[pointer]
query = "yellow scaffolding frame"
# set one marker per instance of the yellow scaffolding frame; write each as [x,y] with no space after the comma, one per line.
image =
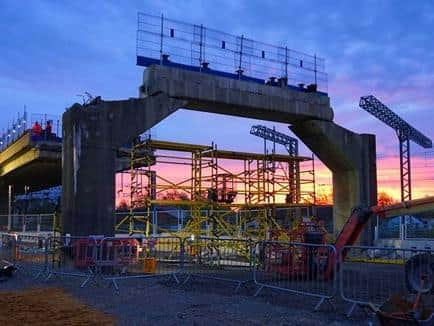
[263,180]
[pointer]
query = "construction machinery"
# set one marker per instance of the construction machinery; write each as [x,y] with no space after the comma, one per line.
[313,260]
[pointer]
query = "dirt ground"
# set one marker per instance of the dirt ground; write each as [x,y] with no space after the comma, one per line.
[43,306]
[158,301]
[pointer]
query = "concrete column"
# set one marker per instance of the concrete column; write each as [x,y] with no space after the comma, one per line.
[352,159]
[92,135]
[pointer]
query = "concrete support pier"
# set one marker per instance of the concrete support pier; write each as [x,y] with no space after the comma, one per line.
[351,158]
[92,135]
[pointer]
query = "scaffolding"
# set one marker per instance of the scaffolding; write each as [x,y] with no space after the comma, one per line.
[212,184]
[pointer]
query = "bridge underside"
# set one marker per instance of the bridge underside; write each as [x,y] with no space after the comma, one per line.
[29,163]
[93,133]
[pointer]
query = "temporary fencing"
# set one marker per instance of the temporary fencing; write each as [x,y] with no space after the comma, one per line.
[25,252]
[72,257]
[8,247]
[219,259]
[371,275]
[37,223]
[144,257]
[367,275]
[31,254]
[300,268]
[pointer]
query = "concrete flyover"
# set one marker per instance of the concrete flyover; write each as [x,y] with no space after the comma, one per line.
[32,162]
[37,163]
[93,133]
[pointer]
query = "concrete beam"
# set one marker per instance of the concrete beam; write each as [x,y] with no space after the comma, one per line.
[352,159]
[211,93]
[92,135]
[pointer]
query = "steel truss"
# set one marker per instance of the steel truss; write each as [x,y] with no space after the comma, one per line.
[405,133]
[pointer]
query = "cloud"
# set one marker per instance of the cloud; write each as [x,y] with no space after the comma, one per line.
[53,50]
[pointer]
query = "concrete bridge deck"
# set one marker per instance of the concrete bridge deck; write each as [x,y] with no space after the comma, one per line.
[32,161]
[94,132]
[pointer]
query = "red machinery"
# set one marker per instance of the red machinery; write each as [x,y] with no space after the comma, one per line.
[295,259]
[310,261]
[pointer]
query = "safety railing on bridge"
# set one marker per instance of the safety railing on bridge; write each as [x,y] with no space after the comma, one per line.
[14,130]
[53,121]
[50,129]
[195,47]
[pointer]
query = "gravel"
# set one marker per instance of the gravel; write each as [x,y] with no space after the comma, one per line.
[159,301]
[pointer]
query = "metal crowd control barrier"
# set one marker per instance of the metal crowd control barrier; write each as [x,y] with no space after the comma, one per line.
[142,257]
[300,268]
[371,275]
[73,257]
[31,254]
[26,252]
[219,259]
[8,247]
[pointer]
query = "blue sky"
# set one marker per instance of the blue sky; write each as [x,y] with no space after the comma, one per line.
[53,50]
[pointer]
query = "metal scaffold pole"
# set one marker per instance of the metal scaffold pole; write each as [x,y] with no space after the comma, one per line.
[210,190]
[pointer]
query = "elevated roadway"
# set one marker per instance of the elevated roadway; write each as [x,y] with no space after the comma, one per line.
[30,161]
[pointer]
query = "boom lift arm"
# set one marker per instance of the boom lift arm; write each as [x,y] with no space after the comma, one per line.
[361,215]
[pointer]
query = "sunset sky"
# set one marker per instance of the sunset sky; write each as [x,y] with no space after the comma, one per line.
[51,51]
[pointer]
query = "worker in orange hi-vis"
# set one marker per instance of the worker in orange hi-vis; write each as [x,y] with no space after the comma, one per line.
[48,129]
[36,129]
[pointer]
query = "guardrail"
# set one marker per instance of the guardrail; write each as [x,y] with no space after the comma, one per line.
[155,257]
[371,275]
[228,260]
[300,268]
[357,275]
[22,126]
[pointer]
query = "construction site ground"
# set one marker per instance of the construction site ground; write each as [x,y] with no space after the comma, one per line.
[161,302]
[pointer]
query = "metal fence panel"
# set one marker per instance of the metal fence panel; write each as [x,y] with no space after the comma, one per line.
[32,254]
[373,274]
[219,259]
[143,258]
[72,257]
[28,222]
[8,247]
[306,269]
[28,253]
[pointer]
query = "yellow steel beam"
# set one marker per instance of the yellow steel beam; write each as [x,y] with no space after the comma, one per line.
[232,155]
[173,146]
[222,154]
[21,144]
